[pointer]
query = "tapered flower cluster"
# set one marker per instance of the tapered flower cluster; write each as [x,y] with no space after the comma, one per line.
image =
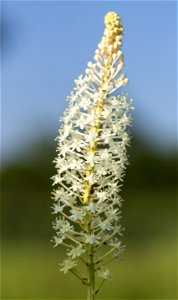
[91,160]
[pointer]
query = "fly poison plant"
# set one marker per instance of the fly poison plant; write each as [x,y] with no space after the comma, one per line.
[91,160]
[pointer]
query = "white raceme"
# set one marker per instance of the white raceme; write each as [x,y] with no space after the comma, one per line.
[91,160]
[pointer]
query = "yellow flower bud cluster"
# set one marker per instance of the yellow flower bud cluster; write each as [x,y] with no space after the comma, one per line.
[113,33]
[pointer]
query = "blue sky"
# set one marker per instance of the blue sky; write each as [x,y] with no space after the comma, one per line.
[47,44]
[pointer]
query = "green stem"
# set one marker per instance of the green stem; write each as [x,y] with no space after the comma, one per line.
[91,275]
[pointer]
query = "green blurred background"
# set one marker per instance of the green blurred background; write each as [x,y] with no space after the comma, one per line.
[38,68]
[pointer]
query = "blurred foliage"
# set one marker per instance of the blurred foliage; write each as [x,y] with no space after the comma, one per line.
[149,214]
[31,271]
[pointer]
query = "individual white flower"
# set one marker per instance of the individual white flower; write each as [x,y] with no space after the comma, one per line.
[106,225]
[58,223]
[65,197]
[105,154]
[77,215]
[64,148]
[76,185]
[92,239]
[57,208]
[113,186]
[115,243]
[92,207]
[111,213]
[67,264]
[85,102]
[77,145]
[104,273]
[102,196]
[56,194]
[75,164]
[57,179]
[58,240]
[65,226]
[76,251]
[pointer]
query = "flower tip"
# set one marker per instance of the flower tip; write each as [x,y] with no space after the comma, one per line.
[112,19]
[114,30]
[110,16]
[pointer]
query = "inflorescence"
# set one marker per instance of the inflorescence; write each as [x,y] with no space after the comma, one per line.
[91,160]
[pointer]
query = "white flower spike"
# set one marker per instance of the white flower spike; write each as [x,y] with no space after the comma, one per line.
[91,162]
